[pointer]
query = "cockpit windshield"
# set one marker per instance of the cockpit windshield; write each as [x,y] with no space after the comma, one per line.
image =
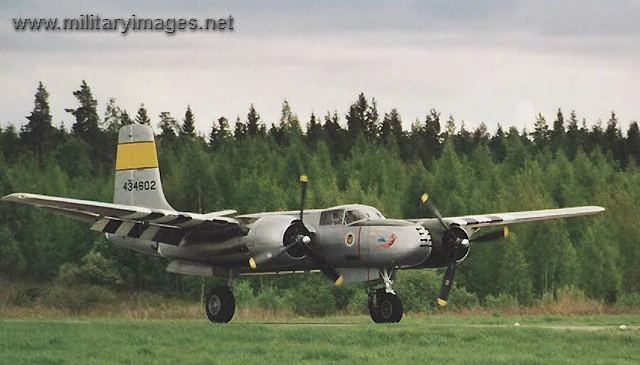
[354,216]
[360,214]
[348,216]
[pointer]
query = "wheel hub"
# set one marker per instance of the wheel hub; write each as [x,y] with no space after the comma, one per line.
[386,309]
[214,305]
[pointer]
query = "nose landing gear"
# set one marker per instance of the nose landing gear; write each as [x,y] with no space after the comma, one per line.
[384,305]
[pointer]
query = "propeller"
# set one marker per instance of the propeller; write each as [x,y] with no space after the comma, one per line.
[454,243]
[302,240]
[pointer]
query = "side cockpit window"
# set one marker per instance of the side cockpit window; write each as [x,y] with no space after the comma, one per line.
[331,217]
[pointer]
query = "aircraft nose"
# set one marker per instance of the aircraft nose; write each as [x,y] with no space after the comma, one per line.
[420,247]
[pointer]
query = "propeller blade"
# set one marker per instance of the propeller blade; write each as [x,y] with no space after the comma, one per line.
[330,272]
[425,200]
[447,283]
[265,256]
[492,236]
[325,267]
[303,193]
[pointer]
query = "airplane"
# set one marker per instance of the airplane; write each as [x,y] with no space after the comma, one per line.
[350,243]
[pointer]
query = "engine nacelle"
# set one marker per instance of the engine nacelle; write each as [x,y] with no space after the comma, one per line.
[274,231]
[442,247]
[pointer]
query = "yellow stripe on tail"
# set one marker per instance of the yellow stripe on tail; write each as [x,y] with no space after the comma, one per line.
[136,155]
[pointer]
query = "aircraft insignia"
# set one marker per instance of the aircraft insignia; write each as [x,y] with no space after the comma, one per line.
[348,240]
[388,241]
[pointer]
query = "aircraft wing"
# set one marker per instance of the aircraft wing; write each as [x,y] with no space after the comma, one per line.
[160,225]
[485,220]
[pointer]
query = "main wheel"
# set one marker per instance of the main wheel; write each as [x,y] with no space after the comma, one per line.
[220,304]
[374,310]
[388,308]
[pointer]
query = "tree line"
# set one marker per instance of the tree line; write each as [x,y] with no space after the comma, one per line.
[362,156]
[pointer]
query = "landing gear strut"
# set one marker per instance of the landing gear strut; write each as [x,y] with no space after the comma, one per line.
[220,304]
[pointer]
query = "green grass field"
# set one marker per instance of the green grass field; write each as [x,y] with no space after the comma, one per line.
[346,340]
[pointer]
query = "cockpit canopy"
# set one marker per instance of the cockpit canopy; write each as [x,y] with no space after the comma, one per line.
[348,215]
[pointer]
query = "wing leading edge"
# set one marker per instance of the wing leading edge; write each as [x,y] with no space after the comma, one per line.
[485,220]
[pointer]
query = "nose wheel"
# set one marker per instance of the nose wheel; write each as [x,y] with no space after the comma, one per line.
[220,304]
[385,307]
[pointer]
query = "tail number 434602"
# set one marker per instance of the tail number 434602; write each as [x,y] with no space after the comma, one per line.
[142,185]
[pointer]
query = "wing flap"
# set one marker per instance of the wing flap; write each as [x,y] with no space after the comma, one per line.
[141,230]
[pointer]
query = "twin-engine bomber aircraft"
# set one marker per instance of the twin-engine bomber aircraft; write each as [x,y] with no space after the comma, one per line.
[349,243]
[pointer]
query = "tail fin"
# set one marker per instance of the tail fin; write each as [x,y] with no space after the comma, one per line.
[137,180]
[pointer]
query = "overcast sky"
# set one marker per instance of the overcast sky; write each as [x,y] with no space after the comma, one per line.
[495,61]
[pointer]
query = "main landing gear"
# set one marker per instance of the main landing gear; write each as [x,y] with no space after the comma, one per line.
[384,305]
[220,304]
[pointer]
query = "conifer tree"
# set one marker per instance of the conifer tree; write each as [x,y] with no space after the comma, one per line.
[38,134]
[426,138]
[168,125]
[219,132]
[86,115]
[498,144]
[371,122]
[541,131]
[336,136]
[614,141]
[480,135]
[188,123]
[142,117]
[574,138]
[557,135]
[255,127]
[314,131]
[633,142]
[125,118]
[112,117]
[356,117]
[239,130]
[391,128]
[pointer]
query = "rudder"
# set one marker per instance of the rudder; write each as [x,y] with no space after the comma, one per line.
[137,180]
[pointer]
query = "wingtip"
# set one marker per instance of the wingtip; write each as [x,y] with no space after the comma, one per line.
[13,197]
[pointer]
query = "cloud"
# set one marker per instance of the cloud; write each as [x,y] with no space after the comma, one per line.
[482,61]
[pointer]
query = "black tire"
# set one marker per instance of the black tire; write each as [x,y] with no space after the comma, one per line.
[374,311]
[389,307]
[220,304]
